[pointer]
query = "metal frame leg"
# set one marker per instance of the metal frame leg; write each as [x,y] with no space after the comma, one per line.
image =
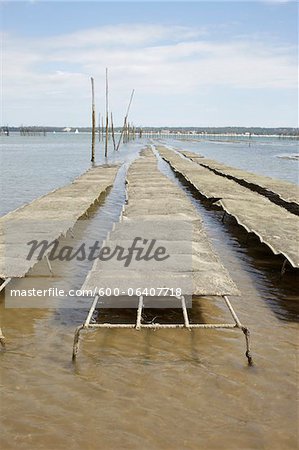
[76,341]
[49,265]
[84,326]
[244,329]
[5,283]
[185,313]
[2,339]
[247,339]
[139,313]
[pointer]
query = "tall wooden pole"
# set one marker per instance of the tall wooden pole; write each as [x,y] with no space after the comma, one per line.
[102,128]
[112,132]
[124,132]
[107,120]
[125,120]
[93,120]
[99,127]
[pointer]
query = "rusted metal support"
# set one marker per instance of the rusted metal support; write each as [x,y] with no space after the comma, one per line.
[2,339]
[244,329]
[76,341]
[156,326]
[84,326]
[247,339]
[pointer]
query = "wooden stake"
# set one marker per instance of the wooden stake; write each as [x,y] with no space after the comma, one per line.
[107,121]
[124,131]
[102,128]
[93,120]
[112,131]
[125,120]
[99,127]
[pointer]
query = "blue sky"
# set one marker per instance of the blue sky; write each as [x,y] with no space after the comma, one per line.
[191,63]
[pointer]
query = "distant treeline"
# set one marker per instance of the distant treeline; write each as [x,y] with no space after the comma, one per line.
[194,130]
[228,130]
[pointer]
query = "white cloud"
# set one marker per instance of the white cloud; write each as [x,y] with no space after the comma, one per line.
[154,59]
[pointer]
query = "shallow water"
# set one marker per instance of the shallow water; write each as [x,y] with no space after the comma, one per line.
[168,389]
[35,165]
[257,155]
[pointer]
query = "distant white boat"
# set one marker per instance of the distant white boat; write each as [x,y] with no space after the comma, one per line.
[76,131]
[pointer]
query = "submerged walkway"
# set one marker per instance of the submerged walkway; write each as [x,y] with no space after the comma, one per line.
[47,218]
[284,193]
[273,225]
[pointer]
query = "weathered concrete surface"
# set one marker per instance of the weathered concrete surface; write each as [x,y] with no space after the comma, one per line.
[287,192]
[47,218]
[272,224]
[160,210]
[206,182]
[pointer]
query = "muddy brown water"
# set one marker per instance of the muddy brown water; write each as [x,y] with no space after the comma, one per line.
[166,389]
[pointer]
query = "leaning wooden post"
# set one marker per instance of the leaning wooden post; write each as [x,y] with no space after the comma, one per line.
[112,132]
[121,134]
[93,120]
[126,135]
[125,120]
[107,121]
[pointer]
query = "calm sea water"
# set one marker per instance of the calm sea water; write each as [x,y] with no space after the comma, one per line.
[34,165]
[163,390]
[265,156]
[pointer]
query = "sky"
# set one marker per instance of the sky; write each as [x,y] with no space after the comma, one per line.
[191,63]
